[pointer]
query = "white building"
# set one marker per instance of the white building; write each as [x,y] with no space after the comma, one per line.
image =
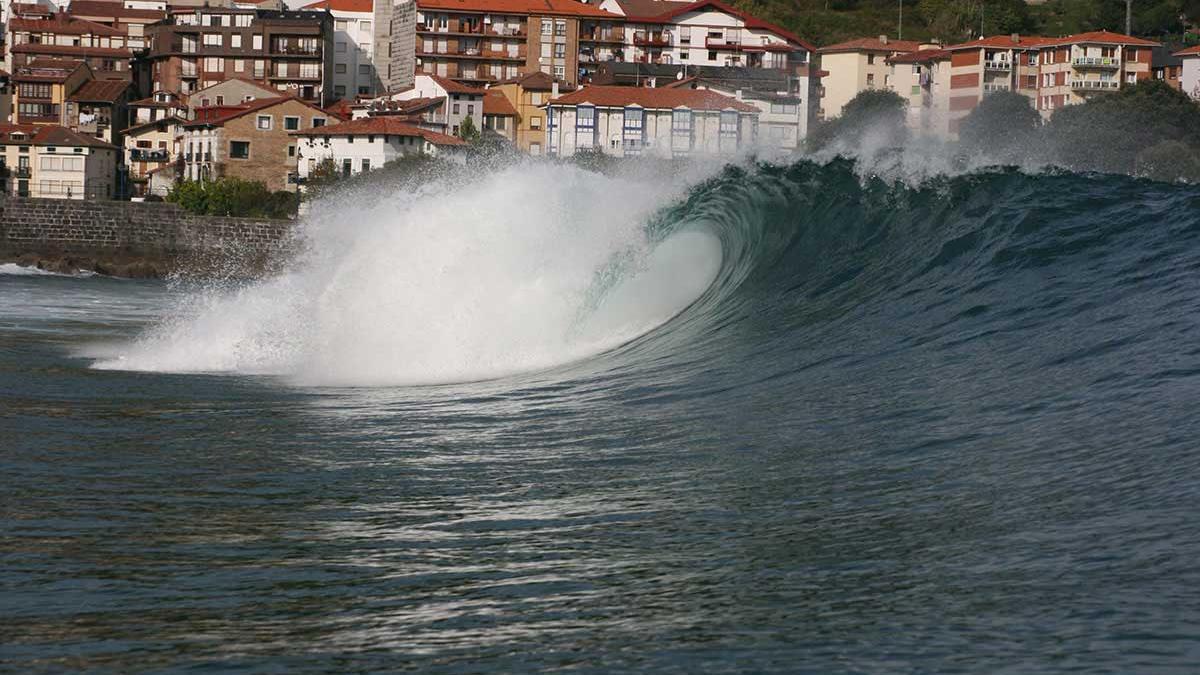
[354,70]
[1190,79]
[444,103]
[365,144]
[704,33]
[54,162]
[663,122]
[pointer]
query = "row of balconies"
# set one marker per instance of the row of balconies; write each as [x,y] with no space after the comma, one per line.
[143,155]
[473,53]
[1096,62]
[465,29]
[1093,85]
[599,35]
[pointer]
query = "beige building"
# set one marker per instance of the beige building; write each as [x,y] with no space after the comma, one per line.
[855,66]
[1073,68]
[251,141]
[234,91]
[923,79]
[528,94]
[53,162]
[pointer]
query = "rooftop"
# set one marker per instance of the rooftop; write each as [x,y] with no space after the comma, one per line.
[63,24]
[343,5]
[541,7]
[872,44]
[37,134]
[100,91]
[218,115]
[381,126]
[70,50]
[655,98]
[496,103]
[538,81]
[1190,51]
[671,10]
[110,9]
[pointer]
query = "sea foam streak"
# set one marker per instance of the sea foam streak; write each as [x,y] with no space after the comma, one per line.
[451,283]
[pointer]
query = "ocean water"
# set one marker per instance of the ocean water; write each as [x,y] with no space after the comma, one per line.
[755,419]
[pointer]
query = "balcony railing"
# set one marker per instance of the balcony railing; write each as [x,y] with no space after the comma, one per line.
[602,36]
[23,172]
[997,65]
[294,50]
[1096,62]
[651,40]
[1095,84]
[989,86]
[140,155]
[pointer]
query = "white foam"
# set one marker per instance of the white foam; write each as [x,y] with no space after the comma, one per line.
[453,283]
[13,269]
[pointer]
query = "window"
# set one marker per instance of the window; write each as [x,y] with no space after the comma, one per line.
[560,50]
[712,56]
[683,56]
[214,64]
[470,110]
[729,122]
[340,48]
[239,65]
[366,165]
[546,46]
[456,109]
[235,40]
[364,70]
[213,39]
[310,70]
[560,27]
[871,80]
[870,59]
[535,98]
[291,123]
[340,24]
[292,150]
[220,100]
[318,122]
[535,149]
[535,123]
[560,72]
[547,26]
[347,166]
[260,69]
[256,41]
[681,122]
[585,117]
[264,122]
[364,91]
[339,90]
[634,118]
[783,108]
[242,20]
[239,149]
[339,68]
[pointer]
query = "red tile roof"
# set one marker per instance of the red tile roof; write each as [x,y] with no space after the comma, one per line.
[453,87]
[538,81]
[39,134]
[539,7]
[410,106]
[380,126]
[343,5]
[872,44]
[218,115]
[71,50]
[100,91]
[675,9]
[1190,51]
[496,103]
[1102,37]
[340,109]
[921,56]
[1004,42]
[656,98]
[64,25]
[107,9]
[47,70]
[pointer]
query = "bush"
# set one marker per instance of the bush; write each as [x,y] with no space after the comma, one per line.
[1003,127]
[874,115]
[233,197]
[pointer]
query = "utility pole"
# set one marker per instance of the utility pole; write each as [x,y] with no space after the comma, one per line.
[1129,17]
[900,23]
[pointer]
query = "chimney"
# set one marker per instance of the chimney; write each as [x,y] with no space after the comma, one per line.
[883,39]
[1016,38]
[738,94]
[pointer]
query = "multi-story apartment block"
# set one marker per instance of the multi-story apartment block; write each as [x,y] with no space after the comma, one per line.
[194,49]
[117,15]
[529,94]
[56,163]
[855,66]
[395,43]
[1189,78]
[106,50]
[702,33]
[41,88]
[354,69]
[365,144]
[483,41]
[923,79]
[663,122]
[251,141]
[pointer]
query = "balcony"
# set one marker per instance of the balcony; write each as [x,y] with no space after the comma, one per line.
[989,87]
[1095,85]
[1003,66]
[723,43]
[483,55]
[505,32]
[23,172]
[295,50]
[614,36]
[652,40]
[1106,62]
[310,77]
[141,155]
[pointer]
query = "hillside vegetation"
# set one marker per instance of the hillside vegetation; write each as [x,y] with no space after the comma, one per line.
[829,21]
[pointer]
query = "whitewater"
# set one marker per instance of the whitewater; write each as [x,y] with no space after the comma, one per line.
[817,415]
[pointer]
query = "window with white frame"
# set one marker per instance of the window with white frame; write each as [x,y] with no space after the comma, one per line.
[235,41]
[264,122]
[213,39]
[634,119]
[547,26]
[681,122]
[729,123]
[585,117]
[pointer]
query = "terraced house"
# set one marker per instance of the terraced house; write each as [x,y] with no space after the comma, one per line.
[485,41]
[105,49]
[196,48]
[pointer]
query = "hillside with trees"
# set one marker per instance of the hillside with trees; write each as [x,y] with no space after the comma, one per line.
[828,21]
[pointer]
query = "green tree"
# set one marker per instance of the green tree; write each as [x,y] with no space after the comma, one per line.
[467,130]
[1003,127]
[233,197]
[874,115]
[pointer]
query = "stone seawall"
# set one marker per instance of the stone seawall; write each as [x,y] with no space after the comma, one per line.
[142,239]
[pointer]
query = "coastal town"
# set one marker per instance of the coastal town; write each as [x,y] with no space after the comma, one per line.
[125,99]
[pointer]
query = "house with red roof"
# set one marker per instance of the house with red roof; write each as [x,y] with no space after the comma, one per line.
[368,143]
[704,33]
[658,121]
[251,140]
[1190,78]
[53,162]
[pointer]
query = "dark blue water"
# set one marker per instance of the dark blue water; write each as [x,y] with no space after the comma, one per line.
[946,427]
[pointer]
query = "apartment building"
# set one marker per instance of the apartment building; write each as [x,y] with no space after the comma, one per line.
[395,43]
[923,79]
[362,145]
[702,33]
[986,65]
[105,49]
[196,48]
[251,141]
[854,66]
[354,70]
[1189,78]
[41,87]
[132,20]
[54,162]
[100,108]
[636,121]
[499,116]
[1076,67]
[151,141]
[528,94]
[484,41]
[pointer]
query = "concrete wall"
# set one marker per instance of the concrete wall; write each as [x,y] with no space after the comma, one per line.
[134,238]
